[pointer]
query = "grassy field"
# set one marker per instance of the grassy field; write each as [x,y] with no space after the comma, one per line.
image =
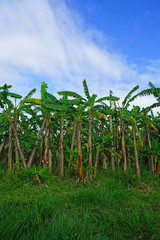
[114,206]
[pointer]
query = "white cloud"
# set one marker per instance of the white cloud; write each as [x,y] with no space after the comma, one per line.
[42,39]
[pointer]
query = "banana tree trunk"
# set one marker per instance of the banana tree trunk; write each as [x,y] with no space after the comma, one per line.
[158,167]
[117,147]
[96,162]
[123,148]
[128,153]
[104,161]
[136,154]
[61,148]
[112,152]
[18,145]
[97,155]
[80,174]
[72,145]
[50,160]
[6,146]
[90,143]
[16,154]
[2,145]
[150,157]
[36,143]
[45,162]
[10,148]
[73,135]
[41,151]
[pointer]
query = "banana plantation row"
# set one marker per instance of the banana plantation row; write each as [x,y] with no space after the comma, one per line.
[75,135]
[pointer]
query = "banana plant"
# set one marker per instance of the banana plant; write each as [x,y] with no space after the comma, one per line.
[38,174]
[132,118]
[100,147]
[92,109]
[108,110]
[46,117]
[63,107]
[154,151]
[3,129]
[125,104]
[112,105]
[84,108]
[87,126]
[78,112]
[149,124]
[19,110]
[8,107]
[150,91]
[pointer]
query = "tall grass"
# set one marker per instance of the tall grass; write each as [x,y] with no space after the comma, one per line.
[114,208]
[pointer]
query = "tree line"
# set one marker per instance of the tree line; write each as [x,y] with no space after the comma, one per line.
[76,135]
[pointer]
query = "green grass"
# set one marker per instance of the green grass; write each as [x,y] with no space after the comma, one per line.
[116,207]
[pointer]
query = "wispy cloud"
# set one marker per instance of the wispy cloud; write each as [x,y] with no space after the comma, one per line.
[44,40]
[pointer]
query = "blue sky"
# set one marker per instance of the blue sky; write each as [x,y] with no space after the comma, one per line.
[131,26]
[113,44]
